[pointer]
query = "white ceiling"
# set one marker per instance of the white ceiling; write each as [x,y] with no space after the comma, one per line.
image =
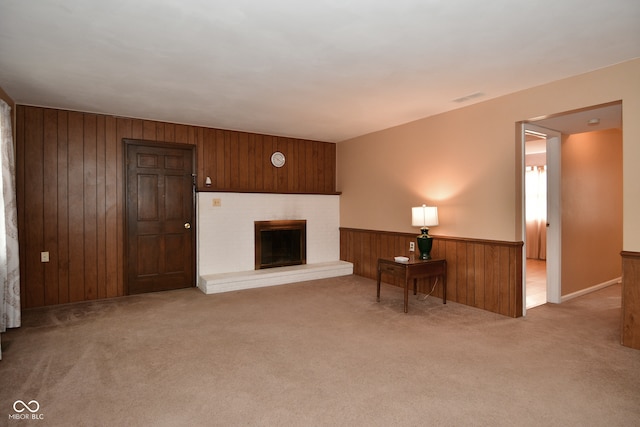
[608,117]
[318,69]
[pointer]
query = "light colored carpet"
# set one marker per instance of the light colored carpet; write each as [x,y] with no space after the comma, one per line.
[320,353]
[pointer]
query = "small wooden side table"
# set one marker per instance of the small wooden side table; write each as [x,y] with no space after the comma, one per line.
[413,269]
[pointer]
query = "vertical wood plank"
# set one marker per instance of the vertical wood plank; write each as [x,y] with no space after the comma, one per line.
[452,271]
[479,276]
[220,163]
[398,245]
[199,165]
[149,131]
[630,334]
[50,217]
[76,207]
[252,161]
[137,129]
[182,134]
[34,229]
[124,129]
[62,181]
[160,136]
[329,168]
[320,165]
[309,169]
[101,207]
[207,158]
[358,245]
[376,248]
[491,268]
[471,274]
[386,246]
[504,281]
[228,161]
[169,132]
[294,174]
[195,135]
[299,158]
[281,173]
[270,177]
[312,159]
[259,162]
[366,254]
[90,236]
[460,263]
[517,285]
[111,212]
[243,161]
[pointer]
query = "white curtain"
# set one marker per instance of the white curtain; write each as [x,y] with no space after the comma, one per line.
[536,211]
[9,262]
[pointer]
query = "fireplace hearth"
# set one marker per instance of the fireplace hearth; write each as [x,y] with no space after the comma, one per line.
[280,243]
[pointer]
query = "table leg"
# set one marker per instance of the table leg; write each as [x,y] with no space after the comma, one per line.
[415,286]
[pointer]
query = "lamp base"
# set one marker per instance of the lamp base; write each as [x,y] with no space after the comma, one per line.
[425,243]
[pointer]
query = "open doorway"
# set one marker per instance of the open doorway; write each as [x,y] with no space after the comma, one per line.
[542,215]
[535,182]
[589,141]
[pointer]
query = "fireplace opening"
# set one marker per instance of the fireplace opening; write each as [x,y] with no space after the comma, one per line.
[280,243]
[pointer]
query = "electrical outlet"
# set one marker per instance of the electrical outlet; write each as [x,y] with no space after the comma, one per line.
[216,203]
[412,246]
[44,256]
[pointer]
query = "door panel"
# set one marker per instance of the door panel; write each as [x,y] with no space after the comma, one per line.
[160,244]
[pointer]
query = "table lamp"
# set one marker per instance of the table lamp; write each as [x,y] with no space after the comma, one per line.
[424,216]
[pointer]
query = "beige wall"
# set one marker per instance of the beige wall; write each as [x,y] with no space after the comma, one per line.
[591,209]
[464,161]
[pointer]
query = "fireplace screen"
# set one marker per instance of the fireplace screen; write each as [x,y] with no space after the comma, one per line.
[280,243]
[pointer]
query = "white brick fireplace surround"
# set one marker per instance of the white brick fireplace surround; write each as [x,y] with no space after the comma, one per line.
[225,239]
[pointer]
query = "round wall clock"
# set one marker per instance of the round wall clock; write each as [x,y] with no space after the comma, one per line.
[277,159]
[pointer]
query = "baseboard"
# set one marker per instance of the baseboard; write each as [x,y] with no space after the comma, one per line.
[590,289]
[226,282]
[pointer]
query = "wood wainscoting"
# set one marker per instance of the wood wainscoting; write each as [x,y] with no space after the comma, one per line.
[631,299]
[485,274]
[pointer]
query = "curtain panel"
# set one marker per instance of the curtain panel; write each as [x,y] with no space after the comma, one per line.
[9,255]
[536,211]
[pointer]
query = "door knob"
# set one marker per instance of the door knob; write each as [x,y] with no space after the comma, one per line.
[187,225]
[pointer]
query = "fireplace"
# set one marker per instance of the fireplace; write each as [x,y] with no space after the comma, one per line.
[280,243]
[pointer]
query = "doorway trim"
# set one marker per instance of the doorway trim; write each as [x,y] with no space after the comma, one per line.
[554,212]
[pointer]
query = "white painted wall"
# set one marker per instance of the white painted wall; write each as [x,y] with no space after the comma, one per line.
[225,238]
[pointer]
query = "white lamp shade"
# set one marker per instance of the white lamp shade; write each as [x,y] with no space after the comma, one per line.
[424,216]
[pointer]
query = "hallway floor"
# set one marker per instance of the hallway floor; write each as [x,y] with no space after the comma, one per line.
[536,282]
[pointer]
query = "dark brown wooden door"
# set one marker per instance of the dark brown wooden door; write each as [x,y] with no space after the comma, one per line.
[159,216]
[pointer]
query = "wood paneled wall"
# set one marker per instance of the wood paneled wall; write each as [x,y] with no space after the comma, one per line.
[631,299]
[480,273]
[70,191]
[238,161]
